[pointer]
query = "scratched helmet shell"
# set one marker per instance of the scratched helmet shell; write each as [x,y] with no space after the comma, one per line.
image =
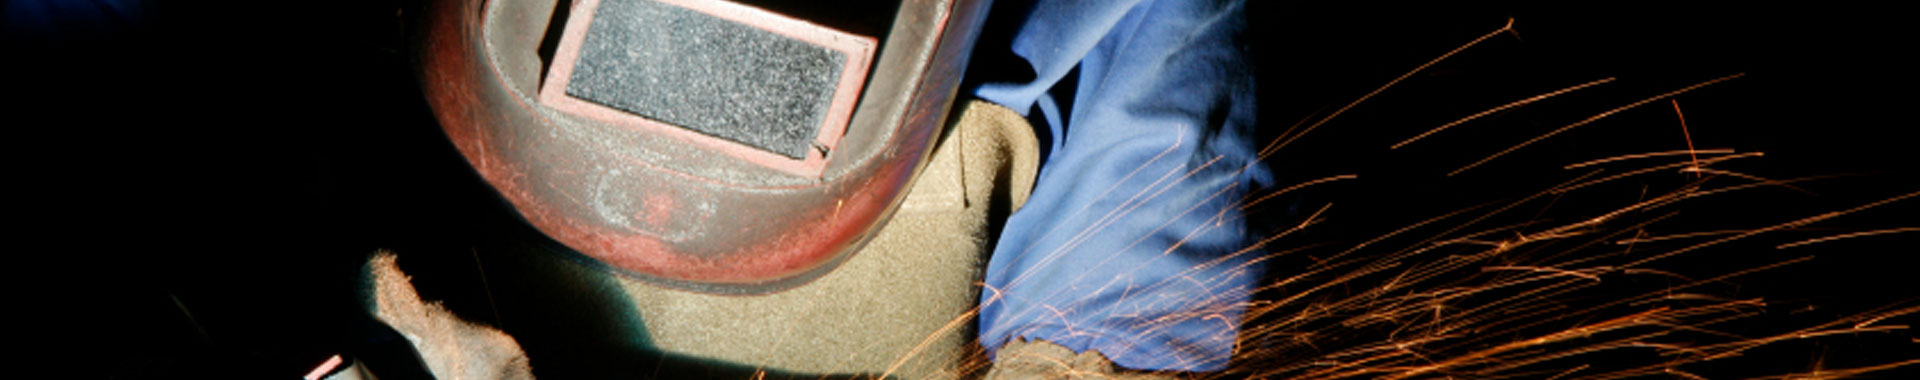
[726,178]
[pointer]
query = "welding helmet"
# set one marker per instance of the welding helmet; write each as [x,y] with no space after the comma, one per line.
[714,146]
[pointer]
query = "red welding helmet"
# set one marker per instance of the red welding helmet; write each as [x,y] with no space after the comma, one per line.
[708,145]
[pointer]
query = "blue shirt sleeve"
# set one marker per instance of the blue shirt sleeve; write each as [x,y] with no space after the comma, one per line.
[1132,242]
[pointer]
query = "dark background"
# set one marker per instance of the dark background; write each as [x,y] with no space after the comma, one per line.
[1824,94]
[207,177]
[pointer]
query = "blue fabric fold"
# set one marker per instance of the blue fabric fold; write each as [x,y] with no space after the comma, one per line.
[1132,242]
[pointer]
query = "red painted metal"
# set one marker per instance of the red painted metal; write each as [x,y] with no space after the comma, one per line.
[682,215]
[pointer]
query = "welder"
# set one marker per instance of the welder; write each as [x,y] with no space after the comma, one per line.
[772,186]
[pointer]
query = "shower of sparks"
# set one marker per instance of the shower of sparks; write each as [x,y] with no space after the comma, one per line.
[1533,299]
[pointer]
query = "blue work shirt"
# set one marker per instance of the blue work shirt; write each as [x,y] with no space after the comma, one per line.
[1132,242]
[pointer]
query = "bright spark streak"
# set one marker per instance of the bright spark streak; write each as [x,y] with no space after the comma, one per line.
[1544,270]
[1597,117]
[1878,318]
[1517,103]
[1289,137]
[1615,177]
[1841,373]
[950,327]
[1795,223]
[1689,152]
[1845,236]
[1679,236]
[1684,133]
[1264,198]
[1696,168]
[1568,372]
[1103,194]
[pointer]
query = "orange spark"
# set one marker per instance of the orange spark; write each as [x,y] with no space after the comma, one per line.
[1795,223]
[1843,373]
[1544,270]
[1848,235]
[1685,133]
[1288,137]
[1696,169]
[1690,152]
[1597,117]
[1517,103]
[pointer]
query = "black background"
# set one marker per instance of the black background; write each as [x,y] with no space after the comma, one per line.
[1824,93]
[243,159]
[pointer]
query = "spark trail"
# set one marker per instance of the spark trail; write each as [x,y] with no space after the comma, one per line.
[1451,297]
